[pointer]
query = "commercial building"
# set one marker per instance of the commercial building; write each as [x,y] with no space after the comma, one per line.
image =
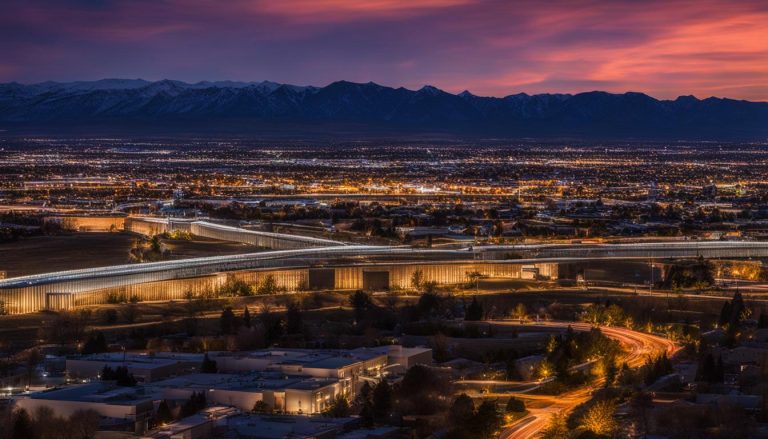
[281,393]
[145,368]
[125,408]
[301,381]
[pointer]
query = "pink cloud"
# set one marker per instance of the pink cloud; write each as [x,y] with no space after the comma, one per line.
[492,47]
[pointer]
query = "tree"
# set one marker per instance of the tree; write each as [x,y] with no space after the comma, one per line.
[33,357]
[236,287]
[515,405]
[227,321]
[339,408]
[614,315]
[107,374]
[361,302]
[261,407]
[123,377]
[46,423]
[208,366]
[599,419]
[610,369]
[21,425]
[109,316]
[474,311]
[417,279]
[155,244]
[366,416]
[462,411]
[194,404]
[129,313]
[294,323]
[487,419]
[423,391]
[268,286]
[557,427]
[95,344]
[83,424]
[246,318]
[382,400]
[520,312]
[474,278]
[163,415]
[428,304]
[642,404]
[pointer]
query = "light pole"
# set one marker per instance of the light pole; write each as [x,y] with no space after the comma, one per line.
[650,284]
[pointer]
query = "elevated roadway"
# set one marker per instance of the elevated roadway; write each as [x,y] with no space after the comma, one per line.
[447,266]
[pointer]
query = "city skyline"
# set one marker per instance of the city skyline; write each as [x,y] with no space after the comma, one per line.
[503,47]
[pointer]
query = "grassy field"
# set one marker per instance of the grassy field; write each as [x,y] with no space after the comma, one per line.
[41,254]
[200,247]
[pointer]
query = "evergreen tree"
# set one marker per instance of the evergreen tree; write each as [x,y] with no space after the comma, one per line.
[361,302]
[719,373]
[382,400]
[366,416]
[339,408]
[428,304]
[95,344]
[246,318]
[163,414]
[487,420]
[474,311]
[227,321]
[22,425]
[515,405]
[725,314]
[123,377]
[462,411]
[107,374]
[294,323]
[707,370]
[208,366]
[737,308]
[261,407]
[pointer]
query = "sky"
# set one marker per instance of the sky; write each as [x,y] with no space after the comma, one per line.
[665,48]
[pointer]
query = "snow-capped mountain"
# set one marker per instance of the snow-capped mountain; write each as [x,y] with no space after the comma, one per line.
[256,107]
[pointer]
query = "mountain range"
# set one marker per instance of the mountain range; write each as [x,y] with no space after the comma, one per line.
[352,109]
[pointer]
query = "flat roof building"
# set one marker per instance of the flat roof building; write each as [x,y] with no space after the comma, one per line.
[126,408]
[281,393]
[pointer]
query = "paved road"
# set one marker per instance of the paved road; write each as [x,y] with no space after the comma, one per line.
[639,347]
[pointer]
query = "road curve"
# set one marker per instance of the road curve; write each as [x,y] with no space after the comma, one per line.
[639,346]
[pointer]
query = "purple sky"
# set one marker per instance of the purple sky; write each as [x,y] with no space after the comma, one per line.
[496,47]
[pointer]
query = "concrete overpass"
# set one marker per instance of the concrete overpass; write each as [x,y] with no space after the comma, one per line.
[335,266]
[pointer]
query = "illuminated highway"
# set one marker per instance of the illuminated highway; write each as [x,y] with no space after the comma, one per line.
[300,255]
[293,257]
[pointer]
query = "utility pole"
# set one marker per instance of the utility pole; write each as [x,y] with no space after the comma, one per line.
[650,284]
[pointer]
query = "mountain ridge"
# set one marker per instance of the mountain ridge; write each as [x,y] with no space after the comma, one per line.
[365,108]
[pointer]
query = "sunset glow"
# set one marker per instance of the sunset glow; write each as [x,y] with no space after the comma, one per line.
[489,47]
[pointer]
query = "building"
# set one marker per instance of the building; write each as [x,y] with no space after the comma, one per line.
[201,425]
[123,408]
[287,380]
[145,368]
[401,358]
[281,393]
[294,427]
